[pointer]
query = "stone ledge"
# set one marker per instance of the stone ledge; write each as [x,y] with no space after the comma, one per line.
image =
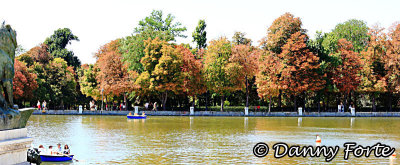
[13,134]
[13,145]
[14,151]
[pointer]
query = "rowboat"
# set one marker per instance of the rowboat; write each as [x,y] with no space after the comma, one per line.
[56,158]
[136,116]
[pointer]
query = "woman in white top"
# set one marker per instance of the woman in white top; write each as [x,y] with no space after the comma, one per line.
[41,149]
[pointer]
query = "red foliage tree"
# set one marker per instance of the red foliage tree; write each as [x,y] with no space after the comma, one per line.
[300,67]
[193,82]
[346,75]
[24,82]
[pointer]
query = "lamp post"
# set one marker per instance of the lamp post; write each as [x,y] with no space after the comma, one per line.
[102,100]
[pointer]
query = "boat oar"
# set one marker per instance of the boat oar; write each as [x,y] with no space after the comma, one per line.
[71,157]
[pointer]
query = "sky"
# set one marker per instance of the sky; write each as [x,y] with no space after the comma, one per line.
[99,22]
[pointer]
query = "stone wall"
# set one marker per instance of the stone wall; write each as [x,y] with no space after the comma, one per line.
[218,113]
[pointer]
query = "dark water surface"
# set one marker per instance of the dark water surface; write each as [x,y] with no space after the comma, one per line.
[211,140]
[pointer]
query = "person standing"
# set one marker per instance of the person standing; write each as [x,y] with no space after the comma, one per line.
[341,107]
[38,105]
[155,106]
[44,105]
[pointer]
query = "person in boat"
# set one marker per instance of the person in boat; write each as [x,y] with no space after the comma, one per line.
[59,149]
[41,149]
[50,150]
[66,150]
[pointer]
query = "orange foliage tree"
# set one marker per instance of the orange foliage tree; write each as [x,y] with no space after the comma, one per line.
[193,82]
[346,75]
[278,35]
[392,60]
[247,57]
[373,73]
[267,77]
[299,67]
[113,75]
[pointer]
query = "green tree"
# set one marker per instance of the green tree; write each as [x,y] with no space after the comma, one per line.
[156,22]
[240,39]
[88,83]
[222,76]
[153,26]
[355,31]
[57,44]
[200,35]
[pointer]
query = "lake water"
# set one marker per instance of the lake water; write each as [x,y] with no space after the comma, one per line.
[211,140]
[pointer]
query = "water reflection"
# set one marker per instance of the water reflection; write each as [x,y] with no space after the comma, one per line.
[299,121]
[212,140]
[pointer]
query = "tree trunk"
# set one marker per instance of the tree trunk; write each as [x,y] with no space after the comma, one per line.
[319,103]
[390,102]
[247,93]
[295,103]
[345,102]
[269,104]
[125,101]
[222,103]
[194,99]
[280,100]
[206,100]
[304,101]
[373,103]
[164,100]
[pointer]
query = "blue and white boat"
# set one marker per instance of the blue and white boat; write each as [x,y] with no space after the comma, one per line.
[56,158]
[136,116]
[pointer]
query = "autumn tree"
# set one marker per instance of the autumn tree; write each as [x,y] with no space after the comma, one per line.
[373,73]
[267,77]
[300,67]
[246,57]
[200,35]
[193,83]
[222,76]
[280,31]
[162,72]
[278,35]
[113,75]
[392,60]
[346,75]
[56,80]
[167,73]
[24,82]
[36,54]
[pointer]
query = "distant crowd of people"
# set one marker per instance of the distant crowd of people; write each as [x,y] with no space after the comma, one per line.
[341,107]
[58,151]
[122,106]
